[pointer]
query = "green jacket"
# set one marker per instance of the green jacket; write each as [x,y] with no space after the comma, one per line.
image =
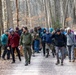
[26,39]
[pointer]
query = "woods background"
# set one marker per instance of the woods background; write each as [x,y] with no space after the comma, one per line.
[31,13]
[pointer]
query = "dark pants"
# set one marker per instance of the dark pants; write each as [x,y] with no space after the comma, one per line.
[18,52]
[4,52]
[8,53]
[0,51]
[47,51]
[27,53]
[61,50]
[43,45]
[53,51]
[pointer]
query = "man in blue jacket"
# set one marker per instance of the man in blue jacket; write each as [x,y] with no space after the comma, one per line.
[48,42]
[4,41]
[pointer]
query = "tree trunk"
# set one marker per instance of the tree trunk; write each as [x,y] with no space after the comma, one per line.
[17,9]
[9,14]
[29,13]
[1,23]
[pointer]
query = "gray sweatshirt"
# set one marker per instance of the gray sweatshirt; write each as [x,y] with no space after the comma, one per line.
[70,39]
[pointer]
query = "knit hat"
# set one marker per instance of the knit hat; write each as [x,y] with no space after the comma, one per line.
[51,29]
[58,30]
[11,30]
[68,28]
[17,28]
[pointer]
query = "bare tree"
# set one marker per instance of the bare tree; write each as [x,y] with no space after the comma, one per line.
[1,23]
[45,13]
[17,8]
[9,14]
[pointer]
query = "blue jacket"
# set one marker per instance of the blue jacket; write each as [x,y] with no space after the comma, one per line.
[4,39]
[48,38]
[39,32]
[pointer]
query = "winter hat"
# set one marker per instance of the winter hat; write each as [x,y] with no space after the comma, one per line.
[42,29]
[11,30]
[68,28]
[58,30]
[51,29]
[17,28]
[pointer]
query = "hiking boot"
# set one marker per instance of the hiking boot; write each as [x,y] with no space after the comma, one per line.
[46,56]
[61,64]
[33,55]
[58,62]
[29,62]
[8,58]
[69,60]
[13,62]
[73,61]
[38,52]
[20,59]
[26,64]
[3,58]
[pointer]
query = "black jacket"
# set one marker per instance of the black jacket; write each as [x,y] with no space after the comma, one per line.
[60,40]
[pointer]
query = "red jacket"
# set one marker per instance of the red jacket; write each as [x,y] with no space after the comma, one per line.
[13,40]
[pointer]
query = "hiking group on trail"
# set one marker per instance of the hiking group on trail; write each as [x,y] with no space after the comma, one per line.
[24,42]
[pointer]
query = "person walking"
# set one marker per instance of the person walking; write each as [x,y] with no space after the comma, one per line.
[32,34]
[0,46]
[70,44]
[43,39]
[4,41]
[36,41]
[26,41]
[53,45]
[18,31]
[48,42]
[60,43]
[14,43]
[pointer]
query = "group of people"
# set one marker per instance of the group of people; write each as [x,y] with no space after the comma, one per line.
[60,42]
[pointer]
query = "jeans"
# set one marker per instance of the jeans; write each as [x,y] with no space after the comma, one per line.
[4,52]
[71,52]
[61,49]
[36,45]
